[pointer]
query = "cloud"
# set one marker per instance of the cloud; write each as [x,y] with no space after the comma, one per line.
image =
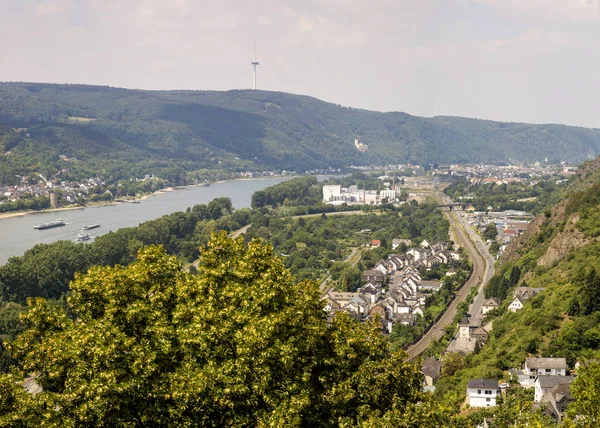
[53,7]
[560,10]
[321,32]
[529,60]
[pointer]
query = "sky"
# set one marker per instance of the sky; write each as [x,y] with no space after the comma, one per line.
[510,60]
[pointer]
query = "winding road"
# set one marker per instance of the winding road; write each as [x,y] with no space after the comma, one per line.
[482,272]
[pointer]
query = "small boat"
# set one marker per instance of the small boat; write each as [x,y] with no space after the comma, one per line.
[90,226]
[83,236]
[50,225]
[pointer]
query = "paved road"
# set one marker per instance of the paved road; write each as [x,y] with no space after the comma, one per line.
[480,270]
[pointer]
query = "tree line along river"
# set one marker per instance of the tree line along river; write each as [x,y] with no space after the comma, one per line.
[18,235]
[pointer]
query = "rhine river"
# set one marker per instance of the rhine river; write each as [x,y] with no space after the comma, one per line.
[18,235]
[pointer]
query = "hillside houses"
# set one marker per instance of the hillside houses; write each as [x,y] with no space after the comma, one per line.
[393,289]
[521,295]
[551,382]
[536,367]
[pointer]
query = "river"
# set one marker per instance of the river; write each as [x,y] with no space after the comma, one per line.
[18,235]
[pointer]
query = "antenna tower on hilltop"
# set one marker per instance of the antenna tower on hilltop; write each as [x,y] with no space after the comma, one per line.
[254,64]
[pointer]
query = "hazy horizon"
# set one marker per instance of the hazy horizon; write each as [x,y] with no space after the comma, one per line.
[530,61]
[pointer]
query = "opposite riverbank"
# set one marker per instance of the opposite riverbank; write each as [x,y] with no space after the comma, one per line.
[124,201]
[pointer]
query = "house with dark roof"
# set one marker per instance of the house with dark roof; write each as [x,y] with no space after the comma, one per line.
[555,401]
[480,334]
[544,384]
[405,319]
[374,276]
[432,370]
[535,367]
[482,392]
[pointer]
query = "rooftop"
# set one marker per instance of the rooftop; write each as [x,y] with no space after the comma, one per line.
[483,384]
[552,381]
[546,363]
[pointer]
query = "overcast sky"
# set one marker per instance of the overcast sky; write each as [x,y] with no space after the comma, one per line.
[513,60]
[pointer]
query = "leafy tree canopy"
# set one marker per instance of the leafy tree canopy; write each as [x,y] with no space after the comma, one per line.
[238,344]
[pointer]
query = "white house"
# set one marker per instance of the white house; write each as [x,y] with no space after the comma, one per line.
[397,242]
[402,308]
[515,305]
[416,254]
[482,392]
[545,366]
[382,266]
[418,311]
[489,304]
[522,294]
[463,329]
[370,291]
[358,306]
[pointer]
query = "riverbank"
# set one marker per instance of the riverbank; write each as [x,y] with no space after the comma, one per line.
[18,233]
[140,198]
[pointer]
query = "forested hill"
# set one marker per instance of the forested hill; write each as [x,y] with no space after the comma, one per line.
[243,128]
[558,254]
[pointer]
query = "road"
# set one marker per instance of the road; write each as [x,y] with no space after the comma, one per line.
[482,269]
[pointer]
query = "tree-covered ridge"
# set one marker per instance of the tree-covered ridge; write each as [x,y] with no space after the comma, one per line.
[559,254]
[109,128]
[240,343]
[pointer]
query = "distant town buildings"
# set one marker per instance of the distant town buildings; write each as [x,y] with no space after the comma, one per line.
[335,194]
[405,296]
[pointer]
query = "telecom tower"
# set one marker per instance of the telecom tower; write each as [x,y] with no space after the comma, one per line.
[254,64]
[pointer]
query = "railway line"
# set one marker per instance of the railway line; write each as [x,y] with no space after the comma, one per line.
[482,272]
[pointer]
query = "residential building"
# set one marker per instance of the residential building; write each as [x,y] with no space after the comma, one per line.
[489,305]
[432,370]
[544,384]
[545,367]
[515,305]
[374,276]
[555,401]
[463,329]
[482,392]
[430,286]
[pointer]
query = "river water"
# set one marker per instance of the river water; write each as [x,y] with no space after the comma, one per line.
[18,235]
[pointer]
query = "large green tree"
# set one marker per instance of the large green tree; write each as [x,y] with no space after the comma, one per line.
[238,344]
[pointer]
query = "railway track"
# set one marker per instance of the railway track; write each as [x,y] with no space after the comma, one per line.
[478,274]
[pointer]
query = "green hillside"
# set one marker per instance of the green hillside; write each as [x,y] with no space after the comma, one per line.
[109,130]
[558,252]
